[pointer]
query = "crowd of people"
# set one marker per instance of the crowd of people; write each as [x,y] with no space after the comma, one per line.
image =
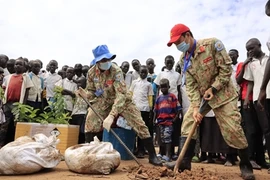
[160,107]
[151,93]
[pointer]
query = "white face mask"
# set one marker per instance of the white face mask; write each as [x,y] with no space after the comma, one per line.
[183,46]
[105,66]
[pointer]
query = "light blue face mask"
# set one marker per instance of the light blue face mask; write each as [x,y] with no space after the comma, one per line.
[183,47]
[105,66]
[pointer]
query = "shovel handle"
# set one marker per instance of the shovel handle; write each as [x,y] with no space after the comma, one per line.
[184,149]
[203,108]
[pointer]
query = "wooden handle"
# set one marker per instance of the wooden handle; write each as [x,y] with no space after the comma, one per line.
[184,149]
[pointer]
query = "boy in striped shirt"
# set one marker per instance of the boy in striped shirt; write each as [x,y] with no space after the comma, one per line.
[167,109]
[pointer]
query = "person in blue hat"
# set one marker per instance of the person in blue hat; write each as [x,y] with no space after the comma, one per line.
[106,90]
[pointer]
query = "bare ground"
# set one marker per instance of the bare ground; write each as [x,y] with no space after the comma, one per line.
[129,170]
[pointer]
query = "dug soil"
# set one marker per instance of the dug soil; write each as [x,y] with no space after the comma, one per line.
[128,170]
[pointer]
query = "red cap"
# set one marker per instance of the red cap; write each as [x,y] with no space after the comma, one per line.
[176,32]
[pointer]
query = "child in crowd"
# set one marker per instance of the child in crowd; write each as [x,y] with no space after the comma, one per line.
[16,88]
[175,88]
[143,98]
[127,75]
[136,66]
[62,73]
[166,110]
[78,71]
[3,63]
[69,88]
[150,63]
[10,66]
[85,70]
[51,79]
[79,111]
[35,93]
[64,68]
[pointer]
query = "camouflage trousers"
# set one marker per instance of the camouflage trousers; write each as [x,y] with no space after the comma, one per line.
[229,120]
[130,112]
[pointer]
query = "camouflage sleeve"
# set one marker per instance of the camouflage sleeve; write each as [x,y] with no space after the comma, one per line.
[90,86]
[120,94]
[192,90]
[223,62]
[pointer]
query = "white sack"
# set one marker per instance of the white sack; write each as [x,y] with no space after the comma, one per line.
[92,158]
[27,155]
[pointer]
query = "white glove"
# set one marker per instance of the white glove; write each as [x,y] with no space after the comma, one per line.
[108,122]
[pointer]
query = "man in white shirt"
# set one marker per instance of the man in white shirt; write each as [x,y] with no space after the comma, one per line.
[253,74]
[266,77]
[173,77]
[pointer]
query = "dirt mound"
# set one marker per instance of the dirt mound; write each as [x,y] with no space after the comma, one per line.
[156,173]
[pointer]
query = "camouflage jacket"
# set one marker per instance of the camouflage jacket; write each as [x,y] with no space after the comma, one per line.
[210,66]
[108,88]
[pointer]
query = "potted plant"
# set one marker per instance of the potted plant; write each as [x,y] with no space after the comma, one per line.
[53,120]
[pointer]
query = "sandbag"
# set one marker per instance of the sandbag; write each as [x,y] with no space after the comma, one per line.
[28,155]
[92,158]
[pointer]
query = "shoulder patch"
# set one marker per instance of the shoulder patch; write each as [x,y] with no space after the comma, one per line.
[219,45]
[119,77]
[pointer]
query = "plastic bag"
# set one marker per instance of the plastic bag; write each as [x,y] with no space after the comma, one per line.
[27,155]
[121,122]
[92,158]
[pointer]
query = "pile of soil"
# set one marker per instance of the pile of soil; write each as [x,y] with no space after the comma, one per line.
[156,173]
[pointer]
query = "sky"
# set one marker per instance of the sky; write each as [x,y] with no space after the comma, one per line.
[68,30]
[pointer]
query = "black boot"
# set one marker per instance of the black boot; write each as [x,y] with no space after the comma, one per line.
[245,166]
[149,146]
[140,146]
[186,162]
[89,137]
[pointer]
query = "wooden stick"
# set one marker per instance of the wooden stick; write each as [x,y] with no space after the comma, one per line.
[184,149]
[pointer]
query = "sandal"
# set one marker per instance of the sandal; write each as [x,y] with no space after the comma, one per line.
[255,165]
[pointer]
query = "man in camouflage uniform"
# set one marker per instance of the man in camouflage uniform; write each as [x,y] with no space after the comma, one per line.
[207,71]
[106,90]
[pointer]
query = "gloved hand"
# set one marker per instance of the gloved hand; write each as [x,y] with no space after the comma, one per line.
[108,122]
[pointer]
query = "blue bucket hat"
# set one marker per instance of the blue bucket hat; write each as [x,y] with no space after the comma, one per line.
[101,52]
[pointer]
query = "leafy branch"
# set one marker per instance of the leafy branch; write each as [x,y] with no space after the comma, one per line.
[54,113]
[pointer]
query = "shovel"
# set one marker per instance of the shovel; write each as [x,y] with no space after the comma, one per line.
[112,131]
[203,106]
